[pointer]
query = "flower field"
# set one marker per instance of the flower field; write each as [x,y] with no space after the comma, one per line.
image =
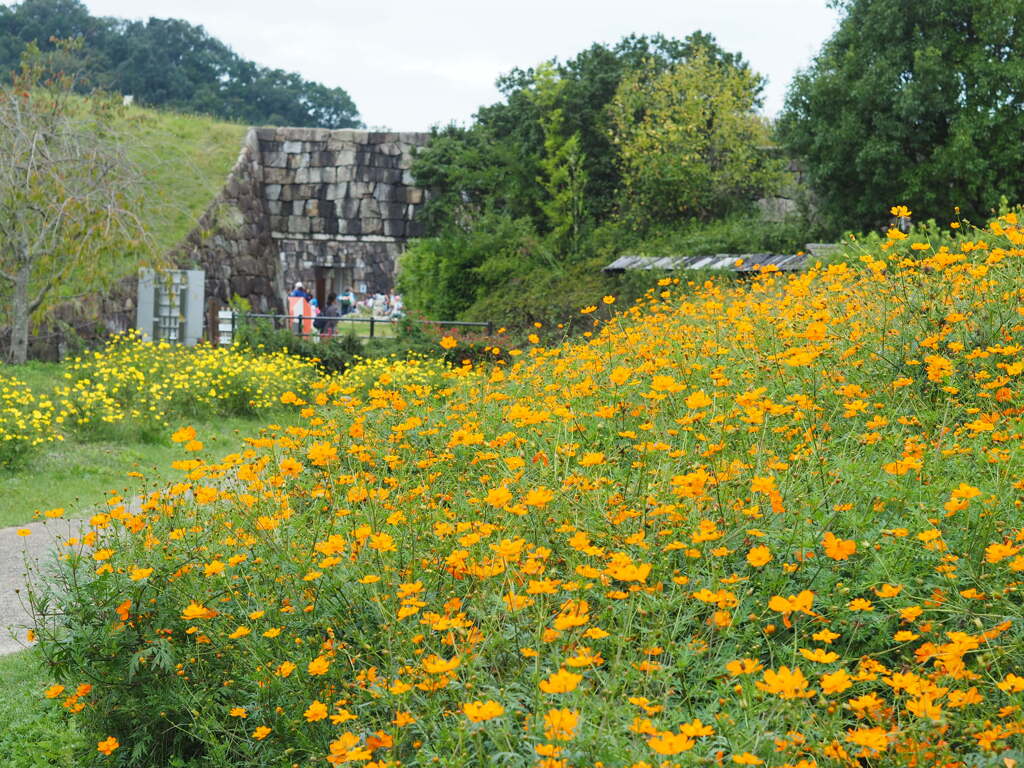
[772,523]
[134,388]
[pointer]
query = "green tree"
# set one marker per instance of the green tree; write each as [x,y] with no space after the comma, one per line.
[66,196]
[495,163]
[917,103]
[690,143]
[171,63]
[563,175]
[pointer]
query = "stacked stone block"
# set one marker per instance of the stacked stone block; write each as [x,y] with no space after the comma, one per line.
[350,189]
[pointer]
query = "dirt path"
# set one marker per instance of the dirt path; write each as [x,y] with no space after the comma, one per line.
[16,551]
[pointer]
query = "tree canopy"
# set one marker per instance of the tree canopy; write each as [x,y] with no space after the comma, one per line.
[532,188]
[919,103]
[497,162]
[689,140]
[171,63]
[67,195]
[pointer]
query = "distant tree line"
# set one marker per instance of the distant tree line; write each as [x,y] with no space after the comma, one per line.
[172,64]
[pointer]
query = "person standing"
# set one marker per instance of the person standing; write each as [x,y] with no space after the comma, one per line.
[327,322]
[347,302]
[299,291]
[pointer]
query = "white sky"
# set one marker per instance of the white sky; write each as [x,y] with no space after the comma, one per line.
[411,64]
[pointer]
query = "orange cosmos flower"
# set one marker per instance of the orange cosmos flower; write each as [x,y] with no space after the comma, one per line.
[668,743]
[562,681]
[560,724]
[108,745]
[538,497]
[998,551]
[481,711]
[321,454]
[447,342]
[382,542]
[1011,684]
[402,719]
[873,739]
[573,613]
[785,683]
[197,611]
[746,758]
[743,667]
[435,665]
[819,655]
[794,603]
[835,682]
[318,666]
[261,733]
[759,555]
[290,467]
[184,435]
[698,399]
[315,711]
[620,375]
[836,548]
[498,497]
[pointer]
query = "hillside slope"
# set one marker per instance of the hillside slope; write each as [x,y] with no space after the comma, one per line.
[185,160]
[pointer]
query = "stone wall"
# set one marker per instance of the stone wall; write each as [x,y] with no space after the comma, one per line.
[331,209]
[340,204]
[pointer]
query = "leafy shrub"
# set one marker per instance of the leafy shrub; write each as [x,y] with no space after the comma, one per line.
[333,353]
[442,276]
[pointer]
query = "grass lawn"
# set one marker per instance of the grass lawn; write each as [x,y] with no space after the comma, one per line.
[78,475]
[32,732]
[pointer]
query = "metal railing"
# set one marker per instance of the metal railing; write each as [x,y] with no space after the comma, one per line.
[302,325]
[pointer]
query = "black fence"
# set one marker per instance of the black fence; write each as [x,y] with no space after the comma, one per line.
[358,325]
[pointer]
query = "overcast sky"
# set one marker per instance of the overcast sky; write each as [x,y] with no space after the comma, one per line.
[409,65]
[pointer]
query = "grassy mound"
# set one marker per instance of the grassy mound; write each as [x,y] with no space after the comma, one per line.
[185,160]
[768,523]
